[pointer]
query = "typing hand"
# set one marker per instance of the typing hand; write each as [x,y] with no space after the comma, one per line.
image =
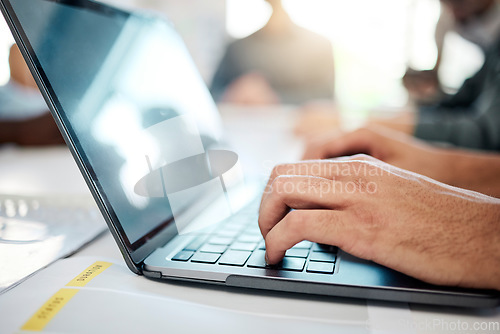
[410,223]
[388,145]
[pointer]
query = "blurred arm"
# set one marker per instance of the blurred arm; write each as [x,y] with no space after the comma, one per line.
[478,171]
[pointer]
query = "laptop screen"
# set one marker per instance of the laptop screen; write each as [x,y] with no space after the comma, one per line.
[133,106]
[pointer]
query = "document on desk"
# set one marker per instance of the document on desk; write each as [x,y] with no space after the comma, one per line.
[90,295]
[97,295]
[38,230]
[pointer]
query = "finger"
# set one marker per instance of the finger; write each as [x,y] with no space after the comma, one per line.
[307,168]
[298,192]
[319,168]
[333,169]
[321,226]
[347,169]
[360,141]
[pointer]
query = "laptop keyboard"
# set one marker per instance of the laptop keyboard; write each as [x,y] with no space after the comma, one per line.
[241,244]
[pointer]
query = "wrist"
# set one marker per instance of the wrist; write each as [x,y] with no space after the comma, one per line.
[404,122]
[471,170]
[444,165]
[456,168]
[493,253]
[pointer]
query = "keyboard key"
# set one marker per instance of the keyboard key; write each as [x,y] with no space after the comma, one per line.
[183,256]
[195,244]
[242,221]
[292,263]
[324,248]
[231,227]
[228,233]
[257,260]
[323,257]
[209,248]
[262,245]
[250,238]
[320,267]
[297,252]
[234,258]
[253,229]
[246,246]
[205,257]
[303,244]
[217,240]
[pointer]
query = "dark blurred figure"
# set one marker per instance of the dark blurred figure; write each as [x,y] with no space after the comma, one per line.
[24,117]
[477,21]
[280,63]
[468,119]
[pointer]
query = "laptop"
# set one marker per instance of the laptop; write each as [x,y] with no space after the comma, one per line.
[148,140]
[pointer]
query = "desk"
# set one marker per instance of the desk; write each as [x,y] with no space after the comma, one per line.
[52,170]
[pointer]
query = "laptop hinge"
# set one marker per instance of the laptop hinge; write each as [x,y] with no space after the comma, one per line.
[151,274]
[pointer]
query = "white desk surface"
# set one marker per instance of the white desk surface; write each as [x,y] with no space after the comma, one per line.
[52,171]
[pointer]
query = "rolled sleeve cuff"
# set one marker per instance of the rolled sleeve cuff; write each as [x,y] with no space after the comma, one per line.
[460,132]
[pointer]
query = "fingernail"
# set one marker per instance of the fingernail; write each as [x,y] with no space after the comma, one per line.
[266,259]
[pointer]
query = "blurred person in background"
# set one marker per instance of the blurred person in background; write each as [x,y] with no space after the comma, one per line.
[477,21]
[469,119]
[24,116]
[280,63]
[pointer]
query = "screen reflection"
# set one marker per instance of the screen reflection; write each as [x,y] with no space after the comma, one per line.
[137,109]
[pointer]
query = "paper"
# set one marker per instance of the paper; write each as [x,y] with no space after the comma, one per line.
[38,230]
[113,300]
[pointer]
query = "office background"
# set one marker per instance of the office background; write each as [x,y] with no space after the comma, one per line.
[373,41]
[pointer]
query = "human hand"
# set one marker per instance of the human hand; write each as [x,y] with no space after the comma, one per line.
[250,89]
[19,71]
[317,118]
[399,219]
[422,86]
[384,144]
[320,118]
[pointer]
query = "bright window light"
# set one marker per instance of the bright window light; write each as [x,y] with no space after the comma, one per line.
[6,41]
[245,17]
[374,41]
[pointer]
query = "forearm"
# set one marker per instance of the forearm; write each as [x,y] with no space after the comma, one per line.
[488,250]
[472,170]
[463,248]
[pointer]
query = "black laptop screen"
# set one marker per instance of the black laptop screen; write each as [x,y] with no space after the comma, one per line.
[132,103]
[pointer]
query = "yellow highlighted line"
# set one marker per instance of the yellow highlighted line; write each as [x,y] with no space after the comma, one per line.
[89,274]
[45,313]
[43,316]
